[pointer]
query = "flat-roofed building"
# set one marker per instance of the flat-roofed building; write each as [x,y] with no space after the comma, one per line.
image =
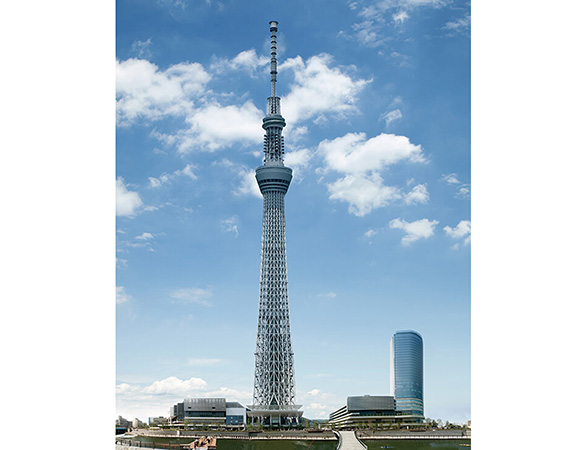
[156,421]
[215,412]
[365,409]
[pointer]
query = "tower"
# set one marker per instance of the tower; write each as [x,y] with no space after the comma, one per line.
[407,374]
[274,389]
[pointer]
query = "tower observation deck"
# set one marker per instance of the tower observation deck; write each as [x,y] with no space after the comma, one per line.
[274,387]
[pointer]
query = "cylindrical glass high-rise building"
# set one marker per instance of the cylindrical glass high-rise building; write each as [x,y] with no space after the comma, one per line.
[407,373]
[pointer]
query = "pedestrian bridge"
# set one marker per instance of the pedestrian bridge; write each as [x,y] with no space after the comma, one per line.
[347,440]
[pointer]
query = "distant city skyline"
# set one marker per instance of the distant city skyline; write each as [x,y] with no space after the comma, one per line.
[377,100]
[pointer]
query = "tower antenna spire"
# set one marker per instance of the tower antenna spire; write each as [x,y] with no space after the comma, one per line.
[273,61]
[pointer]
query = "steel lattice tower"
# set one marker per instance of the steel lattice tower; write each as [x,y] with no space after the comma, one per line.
[274,389]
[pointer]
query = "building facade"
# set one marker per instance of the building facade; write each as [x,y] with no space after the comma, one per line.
[274,388]
[364,410]
[407,374]
[208,412]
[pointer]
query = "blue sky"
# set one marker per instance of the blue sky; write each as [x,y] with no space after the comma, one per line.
[376,96]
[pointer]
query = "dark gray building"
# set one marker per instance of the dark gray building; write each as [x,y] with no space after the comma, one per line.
[208,412]
[366,410]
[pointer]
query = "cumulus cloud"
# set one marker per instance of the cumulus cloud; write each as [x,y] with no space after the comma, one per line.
[362,193]
[318,89]
[213,126]
[418,194]
[248,184]
[462,230]
[361,160]
[247,61]
[192,295]
[127,201]
[353,153]
[174,385]
[317,403]
[298,160]
[136,400]
[420,229]
[146,92]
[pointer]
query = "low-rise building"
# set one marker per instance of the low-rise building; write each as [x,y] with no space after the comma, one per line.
[137,423]
[370,411]
[208,412]
[122,422]
[156,421]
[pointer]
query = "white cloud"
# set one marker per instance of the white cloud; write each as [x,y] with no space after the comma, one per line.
[370,233]
[192,295]
[214,126]
[298,160]
[363,193]
[420,229]
[370,31]
[155,398]
[462,230]
[362,160]
[318,89]
[418,194]
[127,201]
[248,184]
[352,153]
[145,92]
[458,25]
[230,225]
[142,48]
[122,296]
[400,17]
[174,385]
[392,116]
[165,178]
[450,178]
[145,236]
[463,192]
[247,61]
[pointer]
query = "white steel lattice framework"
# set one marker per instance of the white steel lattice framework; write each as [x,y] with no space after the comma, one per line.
[274,387]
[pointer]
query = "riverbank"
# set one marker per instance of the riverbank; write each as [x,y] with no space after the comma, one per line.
[245,435]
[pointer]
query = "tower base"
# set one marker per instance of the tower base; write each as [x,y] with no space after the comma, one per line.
[288,417]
